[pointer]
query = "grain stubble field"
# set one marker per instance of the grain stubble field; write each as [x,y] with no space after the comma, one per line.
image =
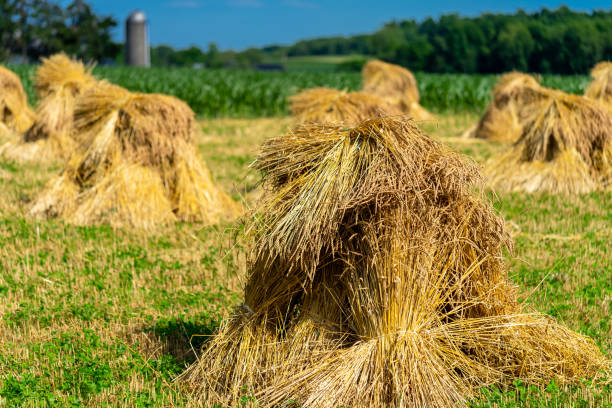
[95,317]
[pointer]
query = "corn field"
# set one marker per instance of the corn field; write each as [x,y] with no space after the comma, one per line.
[243,93]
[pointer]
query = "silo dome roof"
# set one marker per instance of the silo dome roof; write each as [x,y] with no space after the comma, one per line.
[137,16]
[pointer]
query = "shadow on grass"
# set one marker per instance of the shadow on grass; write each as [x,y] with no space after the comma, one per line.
[182,337]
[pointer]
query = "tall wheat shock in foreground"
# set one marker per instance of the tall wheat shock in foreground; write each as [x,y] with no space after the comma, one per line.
[377,280]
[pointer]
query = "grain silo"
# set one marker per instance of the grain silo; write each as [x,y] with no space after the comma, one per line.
[137,40]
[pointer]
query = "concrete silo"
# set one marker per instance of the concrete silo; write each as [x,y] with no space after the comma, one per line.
[137,40]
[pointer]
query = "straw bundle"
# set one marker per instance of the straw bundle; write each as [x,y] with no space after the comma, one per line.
[601,86]
[15,114]
[135,164]
[326,105]
[59,82]
[500,121]
[397,85]
[377,280]
[565,146]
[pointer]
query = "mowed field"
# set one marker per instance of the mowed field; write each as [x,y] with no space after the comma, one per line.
[91,316]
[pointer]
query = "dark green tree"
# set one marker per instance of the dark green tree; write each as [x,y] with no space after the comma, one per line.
[214,58]
[9,27]
[34,28]
[89,35]
[561,41]
[513,48]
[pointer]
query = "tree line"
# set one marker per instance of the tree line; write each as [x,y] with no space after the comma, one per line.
[547,41]
[212,57]
[30,29]
[560,41]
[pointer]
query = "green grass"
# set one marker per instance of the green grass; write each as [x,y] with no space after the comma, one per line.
[319,63]
[315,63]
[243,93]
[94,317]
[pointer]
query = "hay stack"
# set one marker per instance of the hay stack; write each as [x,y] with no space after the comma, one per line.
[377,280]
[135,164]
[500,121]
[15,114]
[326,105]
[59,82]
[395,84]
[601,86]
[565,146]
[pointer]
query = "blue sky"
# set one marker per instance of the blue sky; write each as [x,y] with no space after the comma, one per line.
[239,24]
